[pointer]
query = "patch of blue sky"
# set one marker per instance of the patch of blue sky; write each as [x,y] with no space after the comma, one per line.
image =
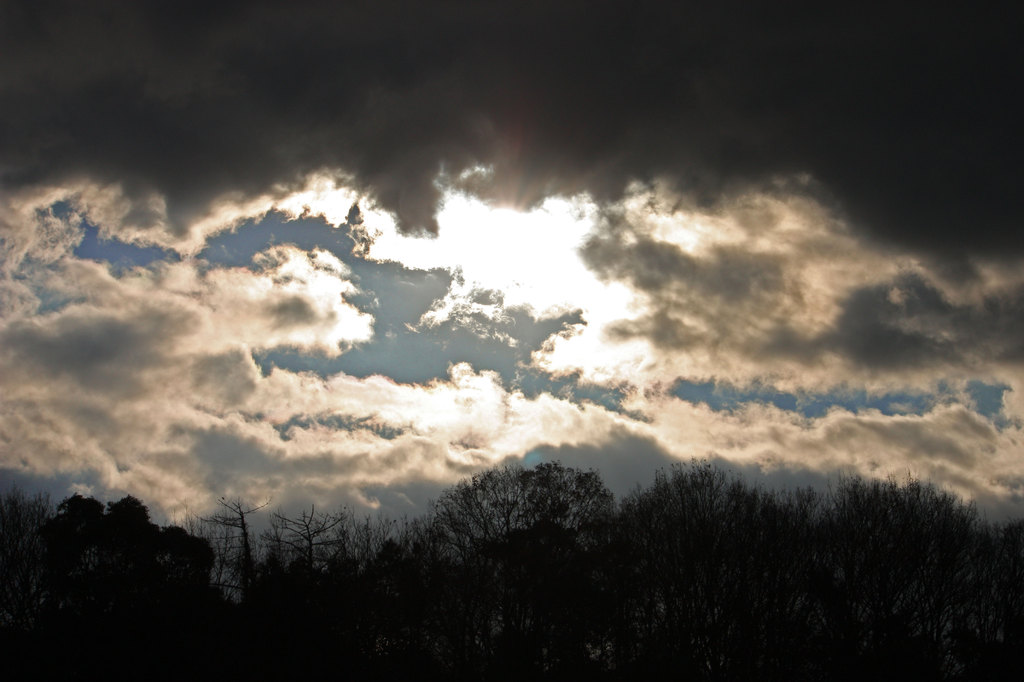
[532,458]
[534,382]
[60,209]
[120,255]
[50,301]
[393,294]
[397,297]
[419,358]
[403,355]
[237,247]
[723,397]
[986,398]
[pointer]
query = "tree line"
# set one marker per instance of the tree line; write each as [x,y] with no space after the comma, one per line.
[520,573]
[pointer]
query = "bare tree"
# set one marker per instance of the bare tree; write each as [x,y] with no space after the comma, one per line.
[519,543]
[714,571]
[310,539]
[900,565]
[22,560]
[366,537]
[234,544]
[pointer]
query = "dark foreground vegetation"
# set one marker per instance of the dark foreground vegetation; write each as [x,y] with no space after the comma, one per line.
[523,574]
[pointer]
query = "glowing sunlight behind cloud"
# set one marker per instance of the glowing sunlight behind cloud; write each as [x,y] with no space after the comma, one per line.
[530,258]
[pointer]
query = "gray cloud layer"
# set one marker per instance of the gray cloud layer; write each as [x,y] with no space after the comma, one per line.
[906,120]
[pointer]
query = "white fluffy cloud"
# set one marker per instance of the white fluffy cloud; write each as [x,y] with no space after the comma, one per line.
[949,444]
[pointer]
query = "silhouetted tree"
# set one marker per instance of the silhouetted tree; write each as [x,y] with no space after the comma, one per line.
[520,545]
[896,578]
[22,557]
[107,562]
[114,576]
[716,588]
[307,542]
[526,573]
[989,645]
[234,542]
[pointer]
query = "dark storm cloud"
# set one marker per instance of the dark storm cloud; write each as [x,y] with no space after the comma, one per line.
[727,298]
[723,288]
[907,120]
[780,479]
[909,323]
[877,331]
[727,273]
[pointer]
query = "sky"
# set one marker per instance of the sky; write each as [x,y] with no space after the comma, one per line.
[350,253]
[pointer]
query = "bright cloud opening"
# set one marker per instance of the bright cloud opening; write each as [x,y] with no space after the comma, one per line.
[530,257]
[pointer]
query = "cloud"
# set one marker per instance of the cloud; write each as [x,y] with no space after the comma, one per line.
[95,349]
[142,379]
[723,293]
[174,444]
[909,127]
[228,377]
[778,290]
[909,322]
[619,201]
[948,444]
